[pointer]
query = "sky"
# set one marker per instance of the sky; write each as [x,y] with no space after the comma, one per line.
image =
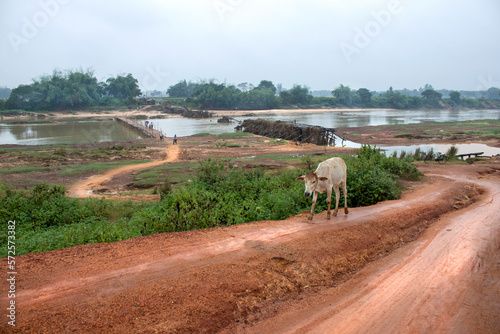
[450,44]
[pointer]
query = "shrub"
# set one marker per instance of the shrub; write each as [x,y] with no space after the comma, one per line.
[452,152]
[220,195]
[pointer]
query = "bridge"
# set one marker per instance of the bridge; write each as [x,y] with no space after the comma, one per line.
[300,133]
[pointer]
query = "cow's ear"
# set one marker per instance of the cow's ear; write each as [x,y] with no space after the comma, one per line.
[301,178]
[322,178]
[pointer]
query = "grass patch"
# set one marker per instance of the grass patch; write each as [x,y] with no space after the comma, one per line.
[403,135]
[79,169]
[147,183]
[235,135]
[202,134]
[137,192]
[147,175]
[279,157]
[178,166]
[25,169]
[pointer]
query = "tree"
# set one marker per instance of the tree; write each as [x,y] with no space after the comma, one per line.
[365,97]
[344,95]
[455,97]
[395,99]
[296,95]
[265,84]
[179,90]
[243,86]
[123,87]
[20,98]
[427,87]
[493,93]
[431,98]
[70,90]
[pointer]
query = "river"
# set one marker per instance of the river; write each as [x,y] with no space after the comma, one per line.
[66,132]
[334,119]
[73,132]
[188,126]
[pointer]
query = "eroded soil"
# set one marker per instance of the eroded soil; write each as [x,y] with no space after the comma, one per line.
[428,261]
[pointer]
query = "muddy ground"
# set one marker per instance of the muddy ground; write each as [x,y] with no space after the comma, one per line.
[425,133]
[427,262]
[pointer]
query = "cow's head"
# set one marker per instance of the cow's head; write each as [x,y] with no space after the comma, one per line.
[311,180]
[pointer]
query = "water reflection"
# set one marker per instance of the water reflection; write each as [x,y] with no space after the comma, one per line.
[187,127]
[71,132]
[443,148]
[334,119]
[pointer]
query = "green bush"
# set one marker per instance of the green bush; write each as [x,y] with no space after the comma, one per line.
[220,195]
[46,219]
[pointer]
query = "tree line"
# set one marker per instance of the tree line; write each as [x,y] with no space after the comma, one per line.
[210,95]
[72,90]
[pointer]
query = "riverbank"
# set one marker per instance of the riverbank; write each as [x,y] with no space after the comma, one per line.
[149,111]
[465,132]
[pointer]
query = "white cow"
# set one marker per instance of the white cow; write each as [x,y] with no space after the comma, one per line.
[330,173]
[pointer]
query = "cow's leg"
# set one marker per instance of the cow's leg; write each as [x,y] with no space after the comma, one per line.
[337,195]
[344,187]
[315,197]
[328,201]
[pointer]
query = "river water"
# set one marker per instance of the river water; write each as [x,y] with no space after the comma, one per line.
[68,132]
[335,119]
[72,132]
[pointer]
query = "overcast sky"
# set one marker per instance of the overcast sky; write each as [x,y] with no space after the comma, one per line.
[370,44]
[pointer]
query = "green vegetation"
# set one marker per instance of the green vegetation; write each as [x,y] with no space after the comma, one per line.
[72,90]
[219,195]
[209,95]
[235,135]
[23,169]
[97,167]
[75,90]
[46,219]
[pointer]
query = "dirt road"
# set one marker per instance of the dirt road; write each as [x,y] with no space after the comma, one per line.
[425,263]
[84,188]
[442,283]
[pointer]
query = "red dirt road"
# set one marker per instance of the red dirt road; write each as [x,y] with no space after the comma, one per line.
[425,263]
[84,187]
[434,285]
